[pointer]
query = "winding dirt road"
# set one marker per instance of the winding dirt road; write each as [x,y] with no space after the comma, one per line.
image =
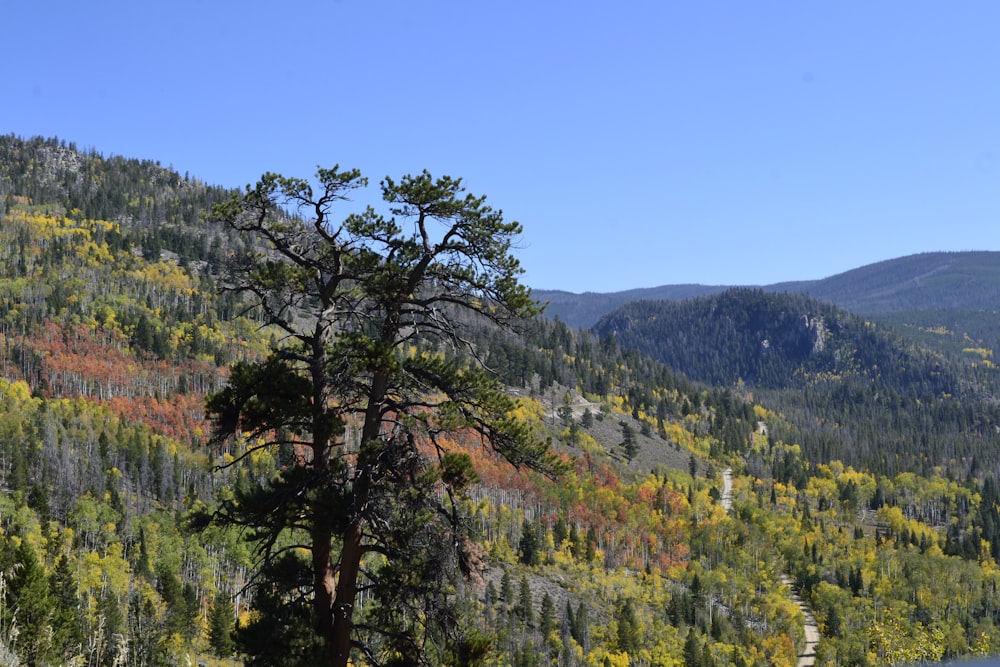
[807,658]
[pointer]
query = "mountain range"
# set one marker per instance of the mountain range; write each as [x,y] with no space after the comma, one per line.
[926,282]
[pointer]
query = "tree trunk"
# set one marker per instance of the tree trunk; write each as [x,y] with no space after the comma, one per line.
[347,590]
[323,580]
[352,549]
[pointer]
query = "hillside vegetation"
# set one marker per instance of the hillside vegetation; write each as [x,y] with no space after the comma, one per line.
[851,390]
[773,341]
[113,330]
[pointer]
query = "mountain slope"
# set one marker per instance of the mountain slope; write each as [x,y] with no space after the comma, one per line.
[772,341]
[850,390]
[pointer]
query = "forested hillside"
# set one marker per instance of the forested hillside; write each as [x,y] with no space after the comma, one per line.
[851,389]
[114,328]
[854,541]
[112,331]
[773,341]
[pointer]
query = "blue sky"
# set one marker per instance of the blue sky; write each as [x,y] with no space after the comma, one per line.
[639,143]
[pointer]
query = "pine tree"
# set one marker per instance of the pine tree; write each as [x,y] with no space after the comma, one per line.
[353,299]
[581,626]
[559,532]
[629,443]
[30,595]
[528,546]
[525,604]
[629,637]
[576,545]
[507,589]
[222,626]
[692,650]
[547,616]
[67,636]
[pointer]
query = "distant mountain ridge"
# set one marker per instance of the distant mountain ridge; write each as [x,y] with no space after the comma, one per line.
[932,281]
[926,281]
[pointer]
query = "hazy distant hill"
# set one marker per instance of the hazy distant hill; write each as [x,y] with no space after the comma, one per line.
[582,311]
[938,281]
[928,281]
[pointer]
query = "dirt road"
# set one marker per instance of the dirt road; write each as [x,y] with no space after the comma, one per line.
[807,658]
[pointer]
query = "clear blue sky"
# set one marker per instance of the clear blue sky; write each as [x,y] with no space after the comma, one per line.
[640,143]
